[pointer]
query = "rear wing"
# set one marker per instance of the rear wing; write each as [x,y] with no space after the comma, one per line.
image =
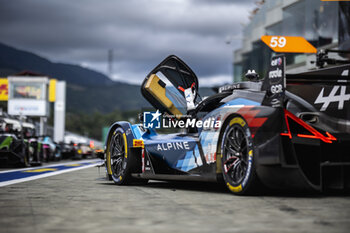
[332,75]
[327,90]
[321,98]
[323,90]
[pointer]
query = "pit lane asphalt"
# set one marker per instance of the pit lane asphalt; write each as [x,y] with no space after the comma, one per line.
[83,201]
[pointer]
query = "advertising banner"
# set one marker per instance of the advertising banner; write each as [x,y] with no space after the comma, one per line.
[28,96]
[27,107]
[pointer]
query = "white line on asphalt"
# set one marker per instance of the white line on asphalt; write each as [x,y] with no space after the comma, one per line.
[5,183]
[53,165]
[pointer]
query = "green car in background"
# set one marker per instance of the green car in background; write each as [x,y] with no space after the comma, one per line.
[18,145]
[13,151]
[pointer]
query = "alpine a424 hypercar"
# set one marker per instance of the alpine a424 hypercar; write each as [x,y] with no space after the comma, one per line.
[288,131]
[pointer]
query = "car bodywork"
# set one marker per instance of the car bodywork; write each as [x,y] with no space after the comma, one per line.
[18,143]
[83,151]
[13,151]
[298,125]
[49,150]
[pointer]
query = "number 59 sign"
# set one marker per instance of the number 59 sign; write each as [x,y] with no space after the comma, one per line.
[288,44]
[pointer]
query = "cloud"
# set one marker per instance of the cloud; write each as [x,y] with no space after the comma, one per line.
[140,32]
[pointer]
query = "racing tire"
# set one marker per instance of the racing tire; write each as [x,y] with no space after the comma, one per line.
[237,158]
[119,161]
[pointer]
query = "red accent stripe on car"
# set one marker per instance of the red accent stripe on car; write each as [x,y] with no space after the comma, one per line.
[249,114]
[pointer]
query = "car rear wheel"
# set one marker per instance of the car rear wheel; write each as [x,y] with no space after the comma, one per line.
[120,164]
[237,158]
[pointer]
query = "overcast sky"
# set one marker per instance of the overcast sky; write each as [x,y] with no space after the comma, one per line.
[140,32]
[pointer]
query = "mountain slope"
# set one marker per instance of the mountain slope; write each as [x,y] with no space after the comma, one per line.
[121,96]
[87,90]
[13,61]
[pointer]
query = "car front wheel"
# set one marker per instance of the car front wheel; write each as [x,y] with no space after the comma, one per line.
[120,162]
[237,158]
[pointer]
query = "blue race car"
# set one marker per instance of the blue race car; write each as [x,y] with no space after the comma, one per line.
[285,132]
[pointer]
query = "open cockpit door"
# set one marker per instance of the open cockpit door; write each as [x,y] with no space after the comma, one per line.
[171,87]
